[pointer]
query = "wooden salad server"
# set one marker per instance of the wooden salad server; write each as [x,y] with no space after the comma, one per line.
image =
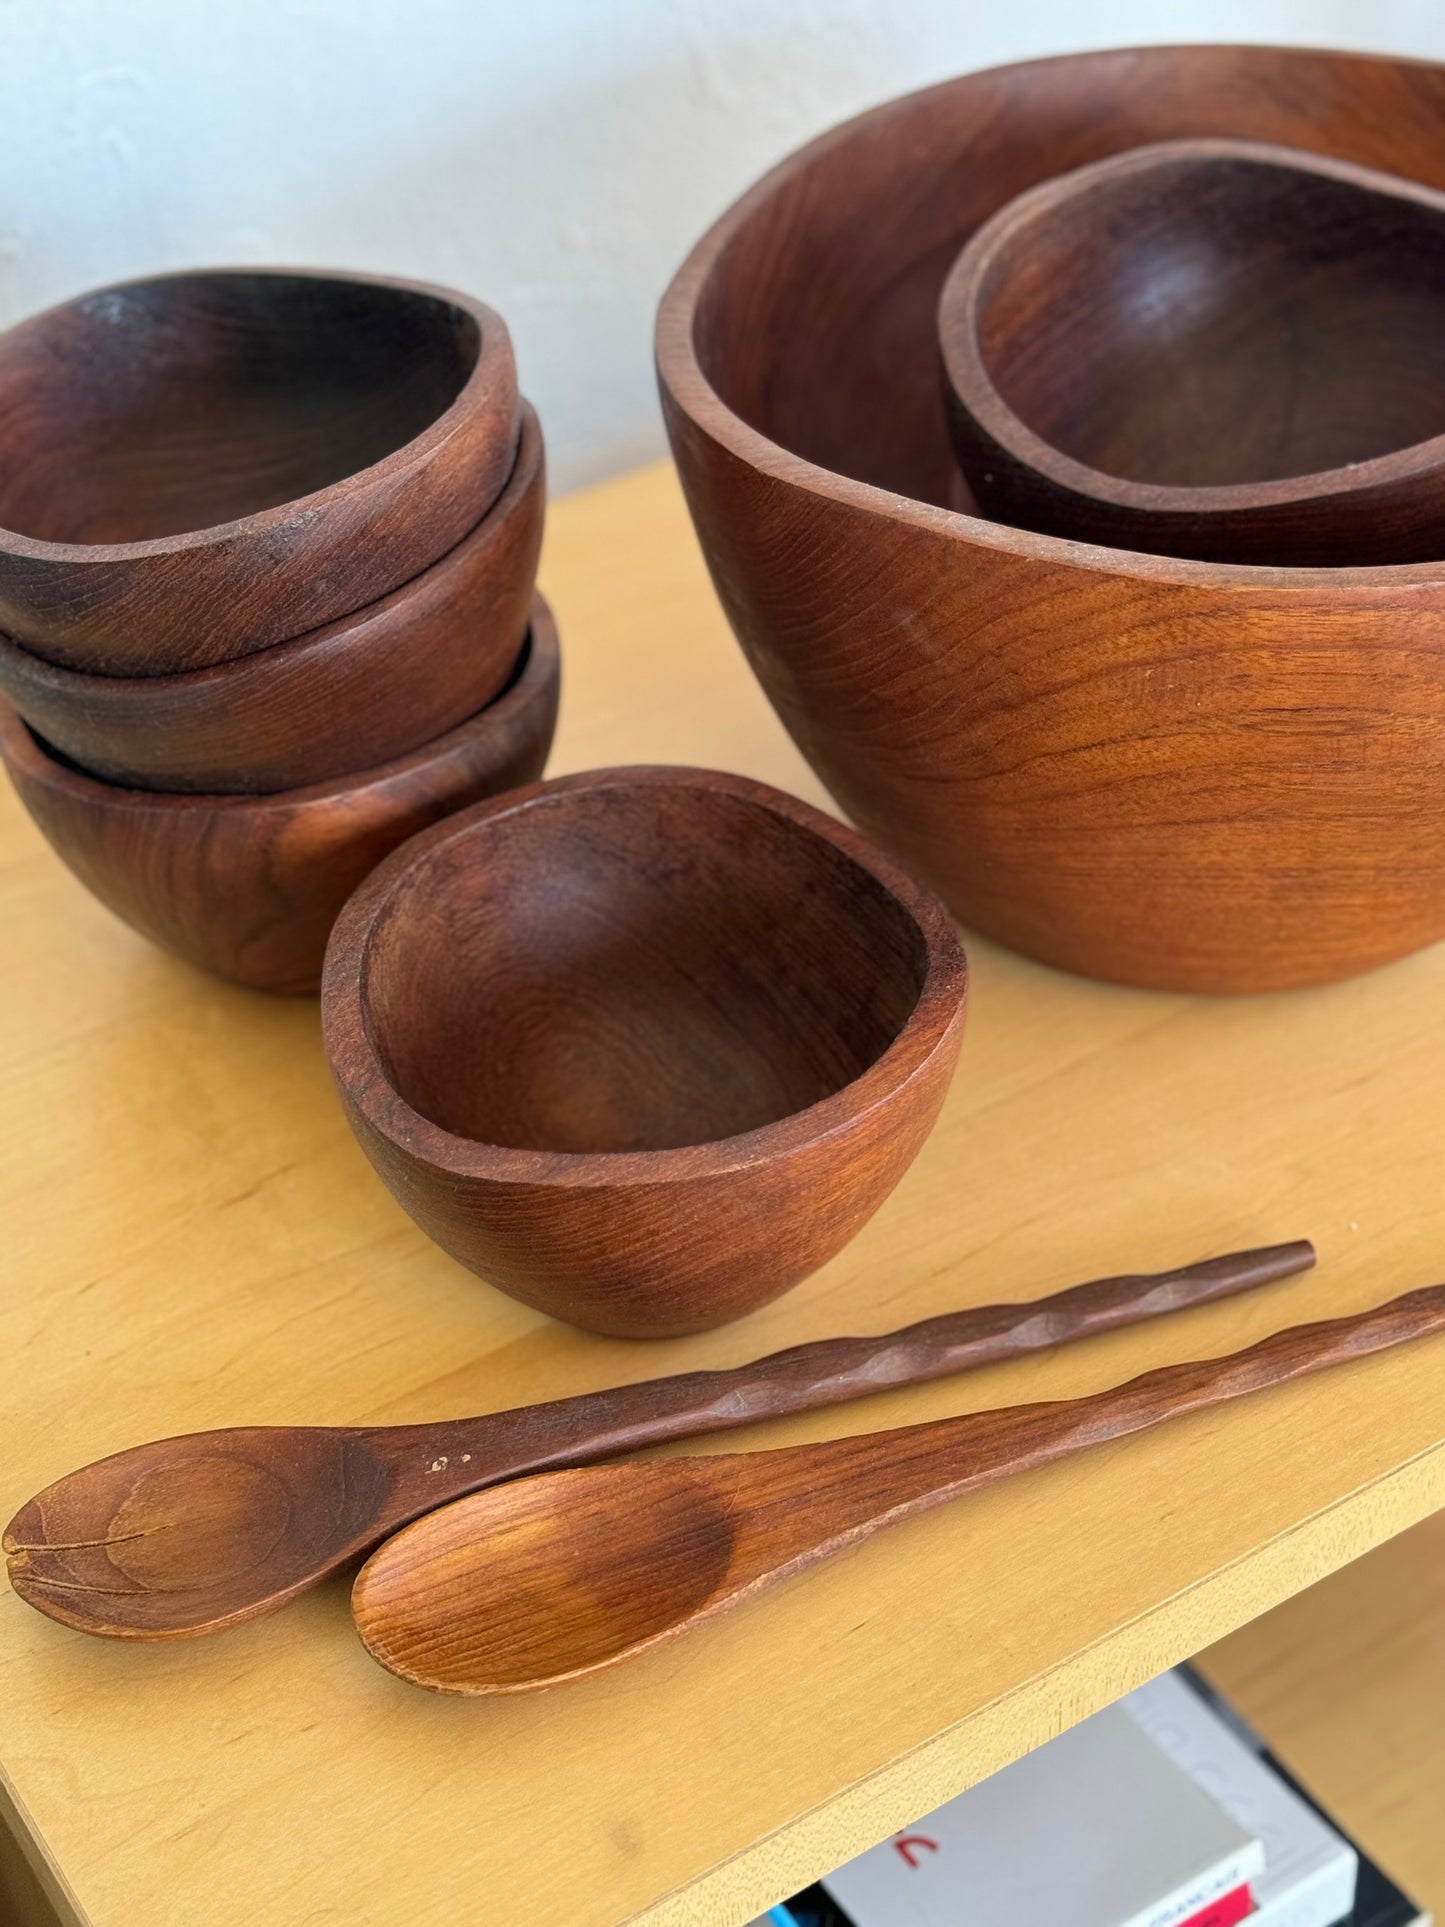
[186,1535]
[553,1578]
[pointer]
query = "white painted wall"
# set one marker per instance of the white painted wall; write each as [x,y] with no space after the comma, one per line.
[555,157]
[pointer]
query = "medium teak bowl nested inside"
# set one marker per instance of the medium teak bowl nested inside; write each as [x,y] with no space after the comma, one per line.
[643,1047]
[202,464]
[1222,349]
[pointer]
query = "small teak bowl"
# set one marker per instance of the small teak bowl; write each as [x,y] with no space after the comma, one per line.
[1210,348]
[248,887]
[642,1047]
[202,464]
[360,691]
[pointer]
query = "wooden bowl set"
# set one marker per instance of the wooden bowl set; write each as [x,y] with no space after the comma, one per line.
[1161,698]
[268,550]
[1168,710]
[1068,447]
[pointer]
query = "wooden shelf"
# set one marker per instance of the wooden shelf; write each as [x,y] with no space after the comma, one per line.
[1347,1683]
[193,1239]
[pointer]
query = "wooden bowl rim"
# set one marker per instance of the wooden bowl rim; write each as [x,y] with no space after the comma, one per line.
[540,665]
[357,1065]
[494,366]
[972,382]
[682,374]
[98,691]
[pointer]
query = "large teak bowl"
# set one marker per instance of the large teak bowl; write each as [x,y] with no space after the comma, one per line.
[249,886]
[1218,349]
[642,1047]
[202,464]
[1179,774]
[360,691]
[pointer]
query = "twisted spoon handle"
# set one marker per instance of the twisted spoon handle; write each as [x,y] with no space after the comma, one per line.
[550,1579]
[855,1485]
[828,1371]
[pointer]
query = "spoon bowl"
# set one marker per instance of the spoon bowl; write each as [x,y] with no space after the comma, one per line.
[182,1535]
[1211,348]
[533,1613]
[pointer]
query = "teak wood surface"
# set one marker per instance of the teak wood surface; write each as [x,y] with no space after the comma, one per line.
[193,1239]
[144,1544]
[1219,349]
[583,1027]
[546,1581]
[204,463]
[363,690]
[1177,774]
[249,886]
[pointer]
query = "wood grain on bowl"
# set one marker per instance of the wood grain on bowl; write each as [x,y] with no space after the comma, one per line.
[1218,349]
[1179,774]
[369,687]
[201,464]
[249,886]
[643,1047]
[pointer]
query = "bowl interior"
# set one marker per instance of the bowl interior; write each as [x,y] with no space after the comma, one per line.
[816,321]
[634,969]
[1205,320]
[182,403]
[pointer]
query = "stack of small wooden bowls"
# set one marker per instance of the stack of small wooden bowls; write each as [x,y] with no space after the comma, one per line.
[268,549]
[1155,688]
[282,688]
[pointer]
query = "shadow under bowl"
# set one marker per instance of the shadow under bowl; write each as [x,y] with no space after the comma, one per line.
[1218,349]
[1181,774]
[642,1047]
[248,887]
[202,464]
[361,691]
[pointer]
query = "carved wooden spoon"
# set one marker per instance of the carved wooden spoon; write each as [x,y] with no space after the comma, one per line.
[186,1535]
[552,1578]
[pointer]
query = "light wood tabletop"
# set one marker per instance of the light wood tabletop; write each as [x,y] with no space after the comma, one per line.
[193,1239]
